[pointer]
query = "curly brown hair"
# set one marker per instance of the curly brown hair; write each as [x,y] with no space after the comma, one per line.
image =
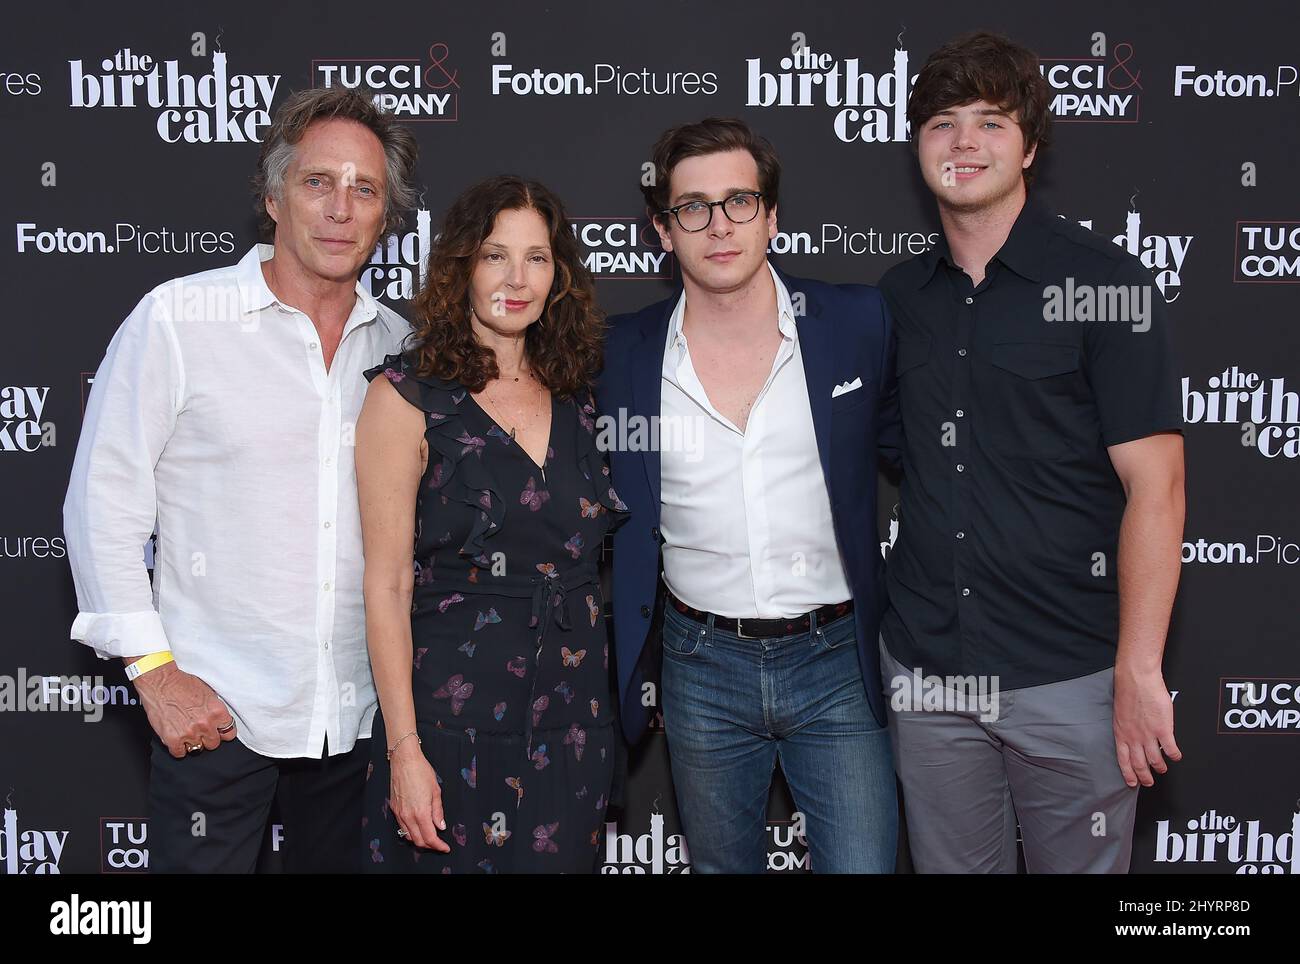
[564,347]
[989,67]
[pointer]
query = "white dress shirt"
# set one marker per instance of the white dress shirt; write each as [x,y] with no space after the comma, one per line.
[213,417]
[746,516]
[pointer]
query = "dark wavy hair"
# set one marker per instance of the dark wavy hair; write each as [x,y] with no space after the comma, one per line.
[712,135]
[989,67]
[564,346]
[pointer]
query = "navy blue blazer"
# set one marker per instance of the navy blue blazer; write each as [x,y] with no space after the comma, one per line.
[845,333]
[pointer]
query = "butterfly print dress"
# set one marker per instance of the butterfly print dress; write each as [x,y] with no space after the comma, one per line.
[511,658]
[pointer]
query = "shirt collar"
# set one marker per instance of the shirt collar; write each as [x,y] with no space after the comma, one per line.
[255,294]
[1022,252]
[931,259]
[785,319]
[1026,245]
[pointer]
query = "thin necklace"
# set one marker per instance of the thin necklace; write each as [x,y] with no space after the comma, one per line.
[497,408]
[500,408]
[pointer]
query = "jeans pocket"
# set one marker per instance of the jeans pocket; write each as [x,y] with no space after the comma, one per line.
[682,637]
[835,635]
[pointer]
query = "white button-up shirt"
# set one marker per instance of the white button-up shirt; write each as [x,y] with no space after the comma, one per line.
[213,417]
[746,516]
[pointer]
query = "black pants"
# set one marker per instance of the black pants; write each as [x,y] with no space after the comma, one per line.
[208,812]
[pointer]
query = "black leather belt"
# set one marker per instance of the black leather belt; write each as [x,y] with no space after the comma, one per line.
[763,628]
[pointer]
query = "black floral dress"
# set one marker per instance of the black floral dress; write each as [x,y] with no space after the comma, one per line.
[510,675]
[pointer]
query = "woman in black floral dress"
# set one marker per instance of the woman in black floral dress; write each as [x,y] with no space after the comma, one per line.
[495,707]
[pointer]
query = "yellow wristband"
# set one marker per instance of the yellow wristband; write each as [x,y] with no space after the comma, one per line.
[146,663]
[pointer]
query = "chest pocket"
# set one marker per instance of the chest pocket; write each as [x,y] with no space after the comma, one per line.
[1031,398]
[920,394]
[846,401]
[913,351]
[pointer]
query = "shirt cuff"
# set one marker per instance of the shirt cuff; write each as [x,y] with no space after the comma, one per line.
[1135,431]
[121,634]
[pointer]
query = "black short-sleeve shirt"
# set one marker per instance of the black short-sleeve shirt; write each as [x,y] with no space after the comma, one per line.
[1011,391]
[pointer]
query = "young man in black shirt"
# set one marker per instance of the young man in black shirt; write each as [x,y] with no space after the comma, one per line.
[1041,504]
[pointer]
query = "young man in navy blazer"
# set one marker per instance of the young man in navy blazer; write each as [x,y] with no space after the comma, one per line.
[743,416]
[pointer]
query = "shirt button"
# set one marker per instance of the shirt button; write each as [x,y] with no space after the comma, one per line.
[328,524]
[961,535]
[970,301]
[965,592]
[329,460]
[654,533]
[962,352]
[325,586]
[645,611]
[960,413]
[325,646]
[960,467]
[312,345]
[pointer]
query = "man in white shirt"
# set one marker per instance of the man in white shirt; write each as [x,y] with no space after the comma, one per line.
[753,530]
[223,414]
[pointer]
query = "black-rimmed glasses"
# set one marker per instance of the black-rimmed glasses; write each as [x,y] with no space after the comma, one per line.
[740,208]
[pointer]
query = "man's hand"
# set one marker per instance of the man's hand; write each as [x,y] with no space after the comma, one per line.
[1144,725]
[183,710]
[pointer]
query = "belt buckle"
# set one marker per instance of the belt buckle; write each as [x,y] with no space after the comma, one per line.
[740,629]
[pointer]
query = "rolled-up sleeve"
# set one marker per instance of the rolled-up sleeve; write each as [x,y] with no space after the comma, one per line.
[111,506]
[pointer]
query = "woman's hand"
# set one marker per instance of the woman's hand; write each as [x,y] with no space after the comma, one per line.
[415,797]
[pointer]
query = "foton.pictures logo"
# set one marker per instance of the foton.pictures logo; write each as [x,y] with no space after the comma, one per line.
[620,80]
[1191,80]
[124,238]
[1268,550]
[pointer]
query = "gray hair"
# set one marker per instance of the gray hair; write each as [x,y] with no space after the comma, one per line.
[304,108]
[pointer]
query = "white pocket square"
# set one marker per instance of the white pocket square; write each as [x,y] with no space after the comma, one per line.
[847,387]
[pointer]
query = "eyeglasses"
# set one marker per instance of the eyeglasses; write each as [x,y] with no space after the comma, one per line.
[740,208]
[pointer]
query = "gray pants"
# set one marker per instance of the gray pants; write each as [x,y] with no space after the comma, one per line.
[1043,754]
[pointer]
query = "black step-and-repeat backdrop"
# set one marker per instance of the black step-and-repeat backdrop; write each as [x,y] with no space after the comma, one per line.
[130,133]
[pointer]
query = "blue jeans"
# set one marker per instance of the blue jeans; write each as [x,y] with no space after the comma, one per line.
[733,707]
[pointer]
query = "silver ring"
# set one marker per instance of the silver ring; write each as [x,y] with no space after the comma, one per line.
[227,727]
[402,833]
